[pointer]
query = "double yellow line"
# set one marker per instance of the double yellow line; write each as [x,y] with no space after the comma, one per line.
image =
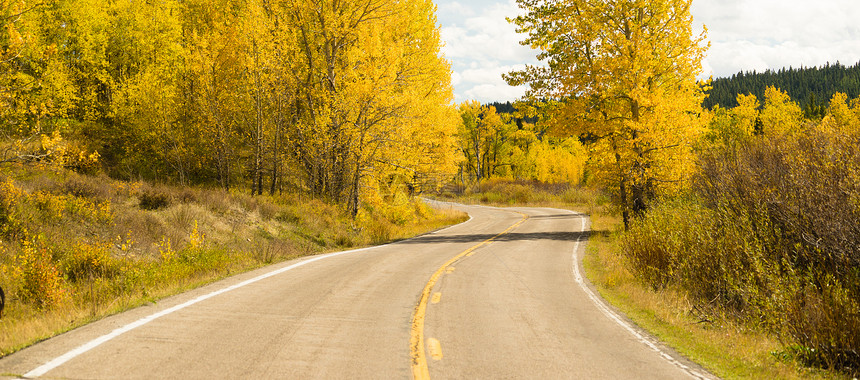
[416,341]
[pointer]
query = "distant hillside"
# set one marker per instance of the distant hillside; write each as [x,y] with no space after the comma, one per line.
[809,86]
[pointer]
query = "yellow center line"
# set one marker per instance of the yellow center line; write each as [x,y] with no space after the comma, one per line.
[420,371]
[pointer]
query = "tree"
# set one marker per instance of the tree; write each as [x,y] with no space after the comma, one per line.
[335,94]
[369,79]
[215,64]
[481,136]
[780,115]
[625,72]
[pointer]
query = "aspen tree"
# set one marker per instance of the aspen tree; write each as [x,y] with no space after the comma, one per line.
[369,78]
[625,74]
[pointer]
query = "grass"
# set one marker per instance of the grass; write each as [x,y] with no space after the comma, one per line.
[727,350]
[75,248]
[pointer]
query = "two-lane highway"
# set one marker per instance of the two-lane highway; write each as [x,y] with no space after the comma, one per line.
[500,296]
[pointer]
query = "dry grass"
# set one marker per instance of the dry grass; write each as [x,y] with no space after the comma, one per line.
[506,193]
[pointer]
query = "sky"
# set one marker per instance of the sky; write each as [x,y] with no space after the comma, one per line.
[745,35]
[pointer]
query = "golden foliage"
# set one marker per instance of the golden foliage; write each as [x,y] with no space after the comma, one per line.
[325,96]
[624,73]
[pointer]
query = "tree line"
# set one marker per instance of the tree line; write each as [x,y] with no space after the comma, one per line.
[506,145]
[810,87]
[332,97]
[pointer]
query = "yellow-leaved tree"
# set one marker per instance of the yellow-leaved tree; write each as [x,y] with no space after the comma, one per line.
[841,116]
[372,96]
[624,72]
[481,139]
[780,115]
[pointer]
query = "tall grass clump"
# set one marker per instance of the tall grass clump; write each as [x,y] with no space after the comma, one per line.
[770,238]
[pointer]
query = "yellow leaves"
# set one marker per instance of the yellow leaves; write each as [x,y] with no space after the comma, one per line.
[196,239]
[626,80]
[125,243]
[746,113]
[165,250]
[780,115]
[53,142]
[842,117]
[190,89]
[558,163]
[41,281]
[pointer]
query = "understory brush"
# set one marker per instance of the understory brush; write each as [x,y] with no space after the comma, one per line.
[74,248]
[769,239]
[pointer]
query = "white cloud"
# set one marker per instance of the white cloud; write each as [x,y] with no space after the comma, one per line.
[758,35]
[482,45]
[745,35]
[489,92]
[453,9]
[485,84]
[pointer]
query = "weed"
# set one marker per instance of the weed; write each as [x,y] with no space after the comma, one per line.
[88,261]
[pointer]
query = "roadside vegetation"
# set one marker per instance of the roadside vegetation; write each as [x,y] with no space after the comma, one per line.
[767,237]
[748,216]
[74,248]
[137,141]
[751,270]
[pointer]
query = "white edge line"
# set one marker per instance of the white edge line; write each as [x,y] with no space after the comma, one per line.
[62,359]
[601,305]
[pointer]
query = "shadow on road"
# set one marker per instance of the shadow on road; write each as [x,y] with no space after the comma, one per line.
[511,236]
[555,216]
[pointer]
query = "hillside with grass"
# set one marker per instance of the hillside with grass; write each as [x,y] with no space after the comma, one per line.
[74,248]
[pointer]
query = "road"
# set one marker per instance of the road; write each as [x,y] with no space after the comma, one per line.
[500,296]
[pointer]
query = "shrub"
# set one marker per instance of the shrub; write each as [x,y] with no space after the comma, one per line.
[153,200]
[88,261]
[41,283]
[10,197]
[771,238]
[655,246]
[400,211]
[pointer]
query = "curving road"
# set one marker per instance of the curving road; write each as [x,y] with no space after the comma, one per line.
[500,296]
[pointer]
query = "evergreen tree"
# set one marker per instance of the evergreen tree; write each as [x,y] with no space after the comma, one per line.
[806,85]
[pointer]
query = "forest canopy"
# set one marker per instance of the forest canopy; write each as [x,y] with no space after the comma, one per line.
[332,97]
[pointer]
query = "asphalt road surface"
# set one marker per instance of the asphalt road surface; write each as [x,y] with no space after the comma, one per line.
[501,296]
